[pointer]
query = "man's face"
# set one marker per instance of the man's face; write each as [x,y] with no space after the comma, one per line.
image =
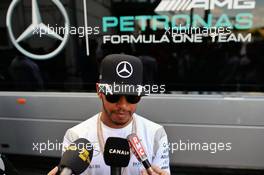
[118,114]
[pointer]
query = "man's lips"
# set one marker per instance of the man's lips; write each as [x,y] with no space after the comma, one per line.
[121,114]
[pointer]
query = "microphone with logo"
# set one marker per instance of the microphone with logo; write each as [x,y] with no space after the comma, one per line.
[139,152]
[116,154]
[76,158]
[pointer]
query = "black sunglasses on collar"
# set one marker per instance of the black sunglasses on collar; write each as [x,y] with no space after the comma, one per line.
[132,99]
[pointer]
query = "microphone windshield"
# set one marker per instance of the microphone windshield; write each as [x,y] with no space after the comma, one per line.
[138,150]
[116,152]
[77,156]
[137,147]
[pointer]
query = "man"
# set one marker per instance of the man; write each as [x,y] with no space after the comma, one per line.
[120,89]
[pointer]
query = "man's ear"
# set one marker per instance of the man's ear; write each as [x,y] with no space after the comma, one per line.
[97,90]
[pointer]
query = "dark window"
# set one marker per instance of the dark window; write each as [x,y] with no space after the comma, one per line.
[235,65]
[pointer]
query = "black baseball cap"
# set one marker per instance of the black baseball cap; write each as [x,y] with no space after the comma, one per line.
[122,75]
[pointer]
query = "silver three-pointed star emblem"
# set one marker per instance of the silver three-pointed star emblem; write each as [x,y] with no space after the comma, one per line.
[37,26]
[124,69]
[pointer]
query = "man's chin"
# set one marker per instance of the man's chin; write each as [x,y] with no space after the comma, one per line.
[117,123]
[121,120]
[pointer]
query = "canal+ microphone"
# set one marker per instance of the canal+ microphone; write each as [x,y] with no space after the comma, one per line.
[76,158]
[116,154]
[139,152]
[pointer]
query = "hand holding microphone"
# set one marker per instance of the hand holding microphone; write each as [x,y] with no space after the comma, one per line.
[53,171]
[139,152]
[76,158]
[156,171]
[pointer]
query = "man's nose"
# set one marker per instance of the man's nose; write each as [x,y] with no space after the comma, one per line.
[122,102]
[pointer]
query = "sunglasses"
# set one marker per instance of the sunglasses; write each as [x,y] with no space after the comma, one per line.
[132,99]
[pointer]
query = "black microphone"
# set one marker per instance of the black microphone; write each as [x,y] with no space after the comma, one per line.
[6,167]
[2,166]
[116,154]
[76,158]
[139,151]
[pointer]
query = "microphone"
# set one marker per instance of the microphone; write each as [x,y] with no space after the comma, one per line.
[6,167]
[116,154]
[76,158]
[139,152]
[2,165]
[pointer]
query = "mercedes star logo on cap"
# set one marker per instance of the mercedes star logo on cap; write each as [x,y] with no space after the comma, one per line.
[124,69]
